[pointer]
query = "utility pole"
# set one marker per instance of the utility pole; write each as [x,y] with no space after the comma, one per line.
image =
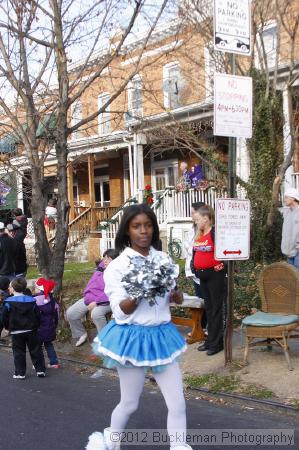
[232,118]
[228,334]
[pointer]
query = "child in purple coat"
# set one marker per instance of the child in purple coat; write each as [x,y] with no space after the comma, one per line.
[48,309]
[94,301]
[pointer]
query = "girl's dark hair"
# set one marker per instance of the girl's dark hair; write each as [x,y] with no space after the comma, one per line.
[122,239]
[17,212]
[111,253]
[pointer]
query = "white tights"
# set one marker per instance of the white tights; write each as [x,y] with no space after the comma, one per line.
[131,387]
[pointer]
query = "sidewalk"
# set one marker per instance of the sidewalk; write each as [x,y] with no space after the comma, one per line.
[267,370]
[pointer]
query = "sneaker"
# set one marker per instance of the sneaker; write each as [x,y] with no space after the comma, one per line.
[53,366]
[19,377]
[96,442]
[40,374]
[81,340]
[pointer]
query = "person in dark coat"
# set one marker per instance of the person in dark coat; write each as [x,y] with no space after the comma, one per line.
[7,254]
[21,317]
[21,219]
[4,293]
[20,256]
[48,309]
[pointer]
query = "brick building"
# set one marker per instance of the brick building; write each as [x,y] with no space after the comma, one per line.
[141,137]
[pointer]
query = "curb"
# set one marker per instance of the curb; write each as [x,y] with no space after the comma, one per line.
[234,398]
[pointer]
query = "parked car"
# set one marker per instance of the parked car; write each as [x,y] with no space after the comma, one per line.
[243,46]
[224,42]
[221,41]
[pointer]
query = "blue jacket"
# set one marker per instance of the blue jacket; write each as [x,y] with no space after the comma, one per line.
[20,313]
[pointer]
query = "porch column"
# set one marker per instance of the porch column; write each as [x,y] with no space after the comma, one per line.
[131,174]
[91,190]
[91,180]
[135,187]
[287,138]
[140,142]
[70,191]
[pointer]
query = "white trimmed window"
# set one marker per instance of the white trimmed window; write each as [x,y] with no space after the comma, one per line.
[76,111]
[268,36]
[172,85]
[135,98]
[104,117]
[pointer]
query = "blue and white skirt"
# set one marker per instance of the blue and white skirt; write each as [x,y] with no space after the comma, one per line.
[131,345]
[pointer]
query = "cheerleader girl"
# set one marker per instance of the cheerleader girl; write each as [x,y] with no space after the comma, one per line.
[141,336]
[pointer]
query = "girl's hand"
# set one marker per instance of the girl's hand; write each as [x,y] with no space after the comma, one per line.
[91,306]
[176,297]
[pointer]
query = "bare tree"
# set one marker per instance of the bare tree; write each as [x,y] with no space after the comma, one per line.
[38,40]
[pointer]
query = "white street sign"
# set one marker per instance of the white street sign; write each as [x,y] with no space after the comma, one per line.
[232,26]
[232,105]
[232,229]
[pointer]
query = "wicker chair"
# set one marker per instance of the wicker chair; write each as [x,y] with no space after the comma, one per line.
[279,291]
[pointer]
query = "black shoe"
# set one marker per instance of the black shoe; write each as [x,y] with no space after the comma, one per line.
[203,347]
[214,351]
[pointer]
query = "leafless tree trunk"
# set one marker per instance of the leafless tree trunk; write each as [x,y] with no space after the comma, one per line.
[36,39]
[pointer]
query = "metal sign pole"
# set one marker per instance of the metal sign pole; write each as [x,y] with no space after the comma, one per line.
[228,334]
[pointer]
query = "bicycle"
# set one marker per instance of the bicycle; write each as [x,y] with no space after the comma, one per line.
[174,246]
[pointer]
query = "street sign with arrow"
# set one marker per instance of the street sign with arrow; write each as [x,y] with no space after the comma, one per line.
[232,230]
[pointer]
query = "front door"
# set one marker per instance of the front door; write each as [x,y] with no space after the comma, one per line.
[102,190]
[164,174]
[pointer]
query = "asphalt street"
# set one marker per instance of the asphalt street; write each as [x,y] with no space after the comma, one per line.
[61,410]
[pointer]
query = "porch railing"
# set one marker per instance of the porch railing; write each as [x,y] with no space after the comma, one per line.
[79,228]
[99,213]
[109,229]
[168,204]
[173,204]
[89,220]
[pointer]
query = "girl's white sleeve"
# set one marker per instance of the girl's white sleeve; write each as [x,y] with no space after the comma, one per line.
[115,291]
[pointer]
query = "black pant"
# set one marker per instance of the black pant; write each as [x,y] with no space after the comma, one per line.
[199,294]
[19,342]
[1,323]
[213,288]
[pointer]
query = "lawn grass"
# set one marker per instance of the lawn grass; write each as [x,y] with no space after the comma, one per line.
[216,383]
[72,271]
[75,278]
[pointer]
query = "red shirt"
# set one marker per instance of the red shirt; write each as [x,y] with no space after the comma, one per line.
[204,252]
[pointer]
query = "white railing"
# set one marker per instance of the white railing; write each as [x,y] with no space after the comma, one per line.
[168,204]
[172,204]
[110,228]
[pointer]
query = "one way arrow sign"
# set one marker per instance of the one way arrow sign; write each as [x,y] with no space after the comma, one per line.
[232,252]
[232,229]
